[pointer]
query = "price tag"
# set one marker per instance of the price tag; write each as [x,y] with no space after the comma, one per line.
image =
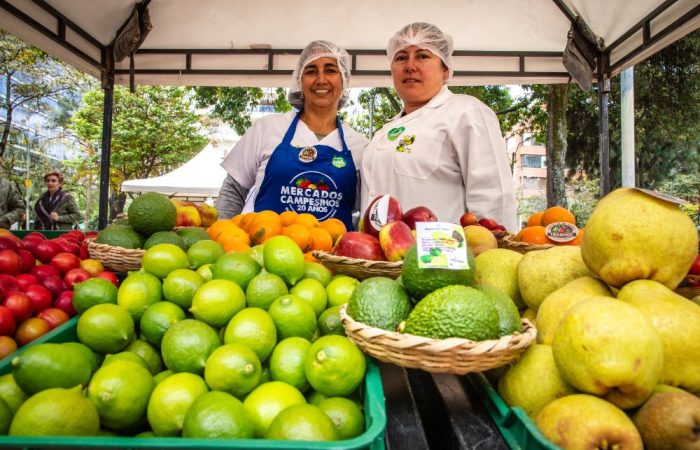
[662,196]
[441,245]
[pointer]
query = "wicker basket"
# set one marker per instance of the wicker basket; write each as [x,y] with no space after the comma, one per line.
[359,268]
[688,292]
[453,355]
[118,259]
[510,243]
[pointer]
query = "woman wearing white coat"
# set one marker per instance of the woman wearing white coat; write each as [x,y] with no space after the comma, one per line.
[444,151]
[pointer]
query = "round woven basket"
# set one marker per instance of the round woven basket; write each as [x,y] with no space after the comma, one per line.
[118,259]
[359,268]
[688,292]
[510,243]
[453,355]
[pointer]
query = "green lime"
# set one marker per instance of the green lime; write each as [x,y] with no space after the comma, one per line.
[283,257]
[302,423]
[217,301]
[120,392]
[264,289]
[265,375]
[335,366]
[268,400]
[161,259]
[139,291]
[313,292]
[148,353]
[91,292]
[232,368]
[124,356]
[170,400]
[293,317]
[204,252]
[287,362]
[157,319]
[92,358]
[6,415]
[106,328]
[346,416]
[107,433]
[340,289]
[162,376]
[180,285]
[145,434]
[205,272]
[256,252]
[218,415]
[237,267]
[315,398]
[50,365]
[56,412]
[254,328]
[187,345]
[10,392]
[329,322]
[318,272]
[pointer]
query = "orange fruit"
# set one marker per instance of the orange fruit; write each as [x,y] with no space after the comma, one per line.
[246,220]
[533,235]
[219,226]
[236,247]
[288,218]
[4,232]
[578,239]
[299,234]
[321,239]
[307,220]
[263,228]
[308,257]
[535,219]
[266,214]
[233,233]
[335,227]
[557,214]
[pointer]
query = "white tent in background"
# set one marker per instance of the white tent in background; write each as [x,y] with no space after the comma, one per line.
[201,176]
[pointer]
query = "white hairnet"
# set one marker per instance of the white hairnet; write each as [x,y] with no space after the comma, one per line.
[313,51]
[426,36]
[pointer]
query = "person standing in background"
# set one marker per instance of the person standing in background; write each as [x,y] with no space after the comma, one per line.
[12,205]
[55,209]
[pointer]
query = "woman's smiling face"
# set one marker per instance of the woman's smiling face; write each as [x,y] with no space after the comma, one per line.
[418,76]
[322,83]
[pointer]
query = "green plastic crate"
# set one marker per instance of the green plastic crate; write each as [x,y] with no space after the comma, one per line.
[518,430]
[372,438]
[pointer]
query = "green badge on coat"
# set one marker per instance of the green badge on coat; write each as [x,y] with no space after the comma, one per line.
[395,132]
[338,161]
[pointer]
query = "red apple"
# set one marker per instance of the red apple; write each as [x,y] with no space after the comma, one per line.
[28,260]
[7,283]
[695,267]
[31,329]
[109,276]
[54,317]
[7,321]
[20,305]
[77,233]
[395,239]
[9,243]
[68,246]
[355,244]
[489,224]
[24,280]
[35,235]
[45,250]
[91,233]
[468,219]
[44,270]
[499,228]
[40,297]
[418,214]
[75,276]
[10,262]
[54,284]
[30,243]
[65,262]
[84,253]
[64,302]
[382,210]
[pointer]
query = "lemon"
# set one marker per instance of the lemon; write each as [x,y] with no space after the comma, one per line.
[329,322]
[339,289]
[217,301]
[256,252]
[187,345]
[287,362]
[120,392]
[232,368]
[302,423]
[124,356]
[283,257]
[139,291]
[254,328]
[170,400]
[268,400]
[346,416]
[106,328]
[11,393]
[237,267]
[56,412]
[6,415]
[91,292]
[218,415]
[334,365]
[313,292]
[161,259]
[318,272]
[157,319]
[180,285]
[264,289]
[204,252]
[293,317]
[151,356]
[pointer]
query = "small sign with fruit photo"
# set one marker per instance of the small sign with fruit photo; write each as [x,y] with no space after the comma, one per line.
[441,245]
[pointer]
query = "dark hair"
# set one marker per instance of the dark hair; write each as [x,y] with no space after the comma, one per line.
[55,174]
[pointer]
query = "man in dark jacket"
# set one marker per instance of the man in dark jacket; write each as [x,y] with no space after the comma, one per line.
[12,205]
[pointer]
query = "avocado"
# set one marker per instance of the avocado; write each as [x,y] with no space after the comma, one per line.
[49,365]
[190,235]
[152,212]
[508,314]
[165,237]
[120,236]
[420,282]
[379,302]
[454,311]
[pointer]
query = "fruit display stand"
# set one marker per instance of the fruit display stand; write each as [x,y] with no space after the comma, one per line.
[372,438]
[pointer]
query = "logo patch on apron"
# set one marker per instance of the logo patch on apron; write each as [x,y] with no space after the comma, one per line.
[394,133]
[308,154]
[339,162]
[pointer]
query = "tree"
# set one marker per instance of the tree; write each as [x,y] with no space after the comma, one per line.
[556,143]
[153,130]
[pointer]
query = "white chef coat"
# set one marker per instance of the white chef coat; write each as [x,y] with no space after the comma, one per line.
[248,159]
[449,156]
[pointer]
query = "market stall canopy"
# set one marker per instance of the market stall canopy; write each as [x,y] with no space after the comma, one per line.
[255,43]
[201,176]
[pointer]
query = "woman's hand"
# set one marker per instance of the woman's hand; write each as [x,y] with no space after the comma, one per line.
[54,216]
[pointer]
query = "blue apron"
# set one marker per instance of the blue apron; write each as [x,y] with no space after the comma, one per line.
[318,180]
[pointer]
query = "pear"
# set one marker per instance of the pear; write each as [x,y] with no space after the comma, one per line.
[632,235]
[677,321]
[585,422]
[542,272]
[556,304]
[670,421]
[498,268]
[479,239]
[608,348]
[531,315]
[533,381]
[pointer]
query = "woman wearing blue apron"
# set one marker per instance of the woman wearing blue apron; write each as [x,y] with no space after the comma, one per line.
[304,162]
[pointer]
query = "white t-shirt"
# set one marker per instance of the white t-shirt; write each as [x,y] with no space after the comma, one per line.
[247,161]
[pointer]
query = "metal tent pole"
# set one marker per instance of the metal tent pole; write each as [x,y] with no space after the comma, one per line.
[108,87]
[627,122]
[604,134]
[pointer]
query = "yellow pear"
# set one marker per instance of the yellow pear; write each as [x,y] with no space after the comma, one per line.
[542,272]
[479,239]
[555,306]
[677,321]
[669,421]
[632,235]
[498,268]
